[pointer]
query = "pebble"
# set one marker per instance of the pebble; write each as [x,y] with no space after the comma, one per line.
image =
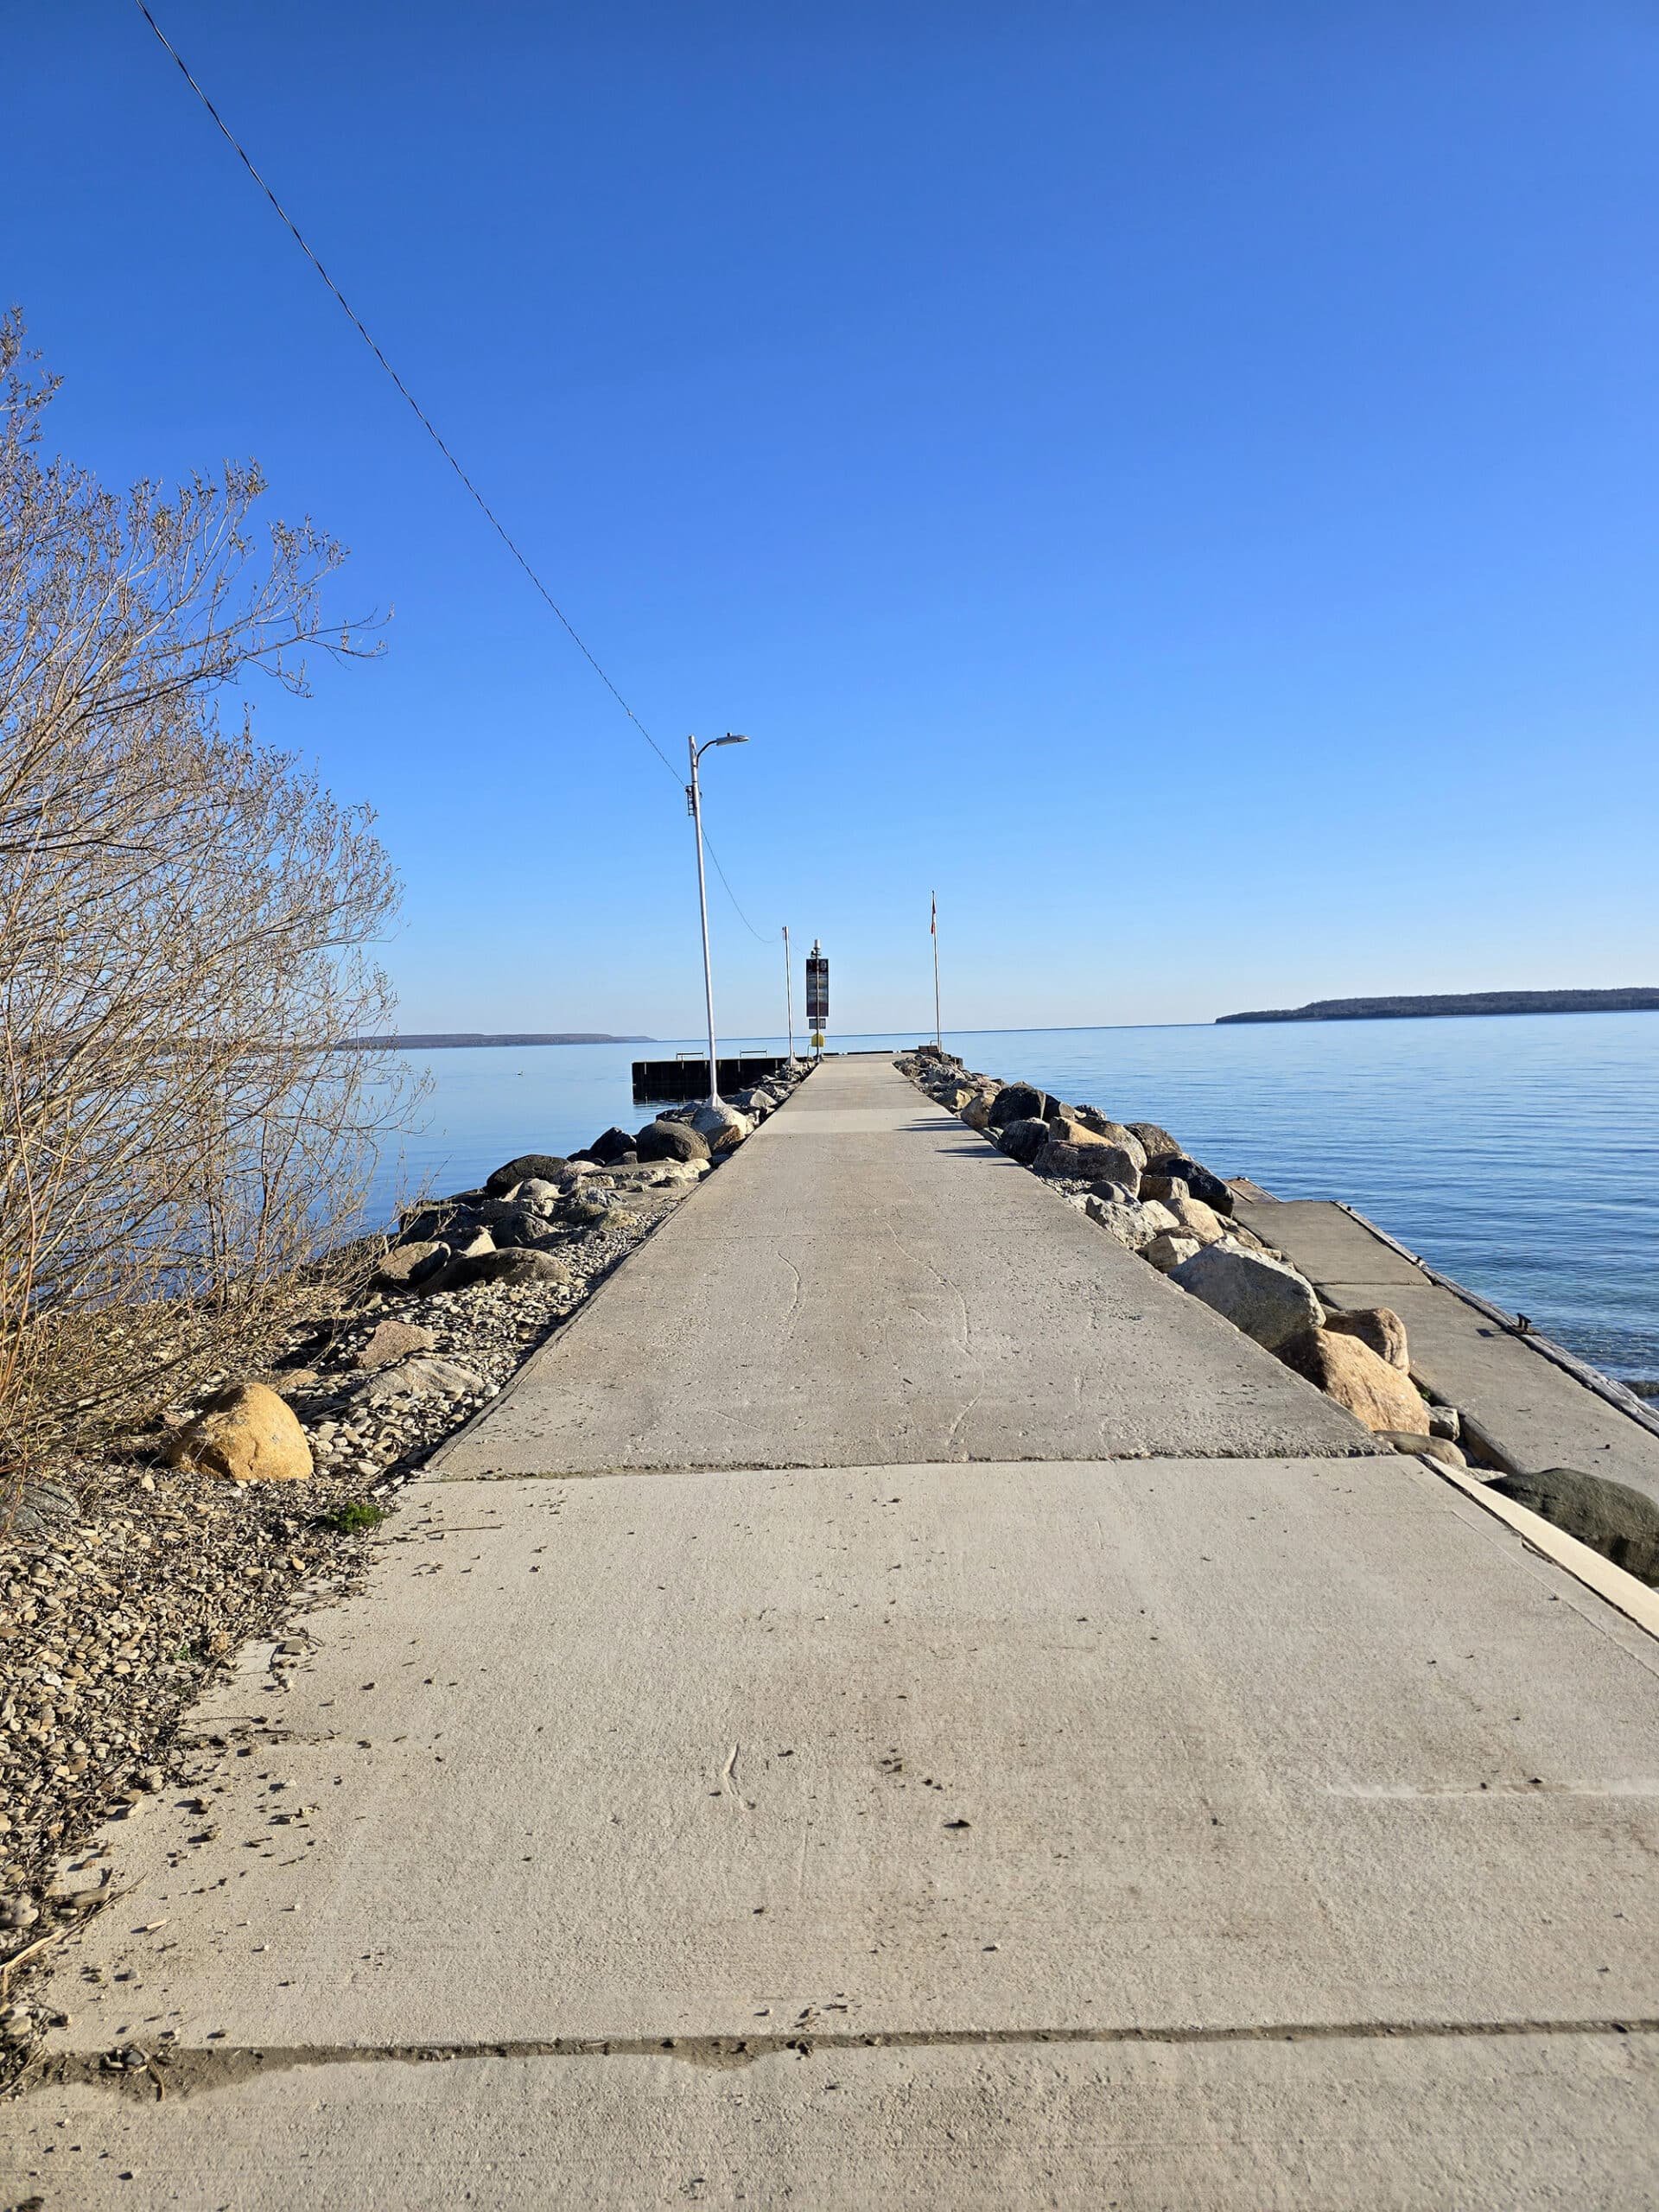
[126,1587]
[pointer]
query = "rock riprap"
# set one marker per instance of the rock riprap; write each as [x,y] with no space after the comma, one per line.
[1134,1180]
[128,1584]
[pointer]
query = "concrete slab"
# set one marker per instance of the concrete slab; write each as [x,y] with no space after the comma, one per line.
[1486,2123]
[1171,1831]
[1010,1749]
[1534,1412]
[868,1282]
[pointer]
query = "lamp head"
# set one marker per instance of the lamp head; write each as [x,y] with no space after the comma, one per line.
[730,739]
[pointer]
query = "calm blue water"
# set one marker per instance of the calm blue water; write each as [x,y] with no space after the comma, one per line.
[1518,1153]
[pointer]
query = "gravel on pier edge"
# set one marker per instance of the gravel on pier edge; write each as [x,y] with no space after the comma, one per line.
[126,1586]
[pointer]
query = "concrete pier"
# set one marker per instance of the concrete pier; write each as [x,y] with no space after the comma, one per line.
[898,1705]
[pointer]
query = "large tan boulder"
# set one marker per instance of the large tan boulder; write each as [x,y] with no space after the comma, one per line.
[1349,1371]
[1132,1224]
[247,1435]
[1195,1219]
[1114,1133]
[1380,1327]
[1171,1249]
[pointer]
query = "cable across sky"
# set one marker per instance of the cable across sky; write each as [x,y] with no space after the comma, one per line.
[432,431]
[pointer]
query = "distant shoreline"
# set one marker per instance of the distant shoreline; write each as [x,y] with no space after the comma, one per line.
[1633,1000]
[443,1044]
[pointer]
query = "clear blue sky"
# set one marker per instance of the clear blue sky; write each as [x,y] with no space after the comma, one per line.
[1178,478]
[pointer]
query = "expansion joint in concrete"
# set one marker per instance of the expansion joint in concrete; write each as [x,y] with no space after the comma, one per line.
[1361,1451]
[198,2069]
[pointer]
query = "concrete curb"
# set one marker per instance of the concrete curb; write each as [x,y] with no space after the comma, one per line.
[1632,1598]
[1604,1386]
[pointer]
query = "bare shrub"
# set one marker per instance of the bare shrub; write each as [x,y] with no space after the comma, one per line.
[186,924]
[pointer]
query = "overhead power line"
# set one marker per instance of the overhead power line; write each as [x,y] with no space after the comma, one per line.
[732,895]
[420,414]
[428,425]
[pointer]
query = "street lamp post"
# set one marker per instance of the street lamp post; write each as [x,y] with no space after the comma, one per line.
[789,997]
[694,800]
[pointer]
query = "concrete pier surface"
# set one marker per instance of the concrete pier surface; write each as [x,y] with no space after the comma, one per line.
[898,1706]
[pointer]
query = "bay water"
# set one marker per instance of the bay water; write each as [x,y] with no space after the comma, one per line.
[1519,1153]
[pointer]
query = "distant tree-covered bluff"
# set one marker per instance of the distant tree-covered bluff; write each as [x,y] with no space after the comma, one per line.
[1633,1001]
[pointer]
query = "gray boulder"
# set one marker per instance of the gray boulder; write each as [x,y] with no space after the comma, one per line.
[546,1164]
[609,1147]
[516,1227]
[406,1266]
[393,1340]
[419,1377]
[1199,1180]
[536,1191]
[431,1223]
[514,1269]
[1018,1102]
[1265,1298]
[1159,1142]
[1619,1522]
[672,1140]
[1420,1446]
[722,1125]
[1096,1161]
[1132,1224]
[1024,1139]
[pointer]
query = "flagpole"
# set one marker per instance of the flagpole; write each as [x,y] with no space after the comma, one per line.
[939,1033]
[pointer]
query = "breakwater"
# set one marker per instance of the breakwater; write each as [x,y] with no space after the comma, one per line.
[1225,1241]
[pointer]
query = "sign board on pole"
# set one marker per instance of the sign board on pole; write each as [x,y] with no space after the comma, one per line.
[817,995]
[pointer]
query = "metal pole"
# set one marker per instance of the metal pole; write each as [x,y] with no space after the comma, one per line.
[695,794]
[938,1035]
[789,995]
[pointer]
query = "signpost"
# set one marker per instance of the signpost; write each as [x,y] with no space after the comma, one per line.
[817,995]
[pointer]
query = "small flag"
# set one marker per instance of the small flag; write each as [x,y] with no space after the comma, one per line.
[933,923]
